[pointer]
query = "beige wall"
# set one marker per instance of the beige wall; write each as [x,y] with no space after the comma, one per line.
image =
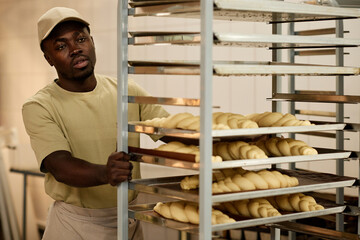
[23,71]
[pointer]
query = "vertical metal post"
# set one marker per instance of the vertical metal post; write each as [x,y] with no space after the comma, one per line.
[122,112]
[340,118]
[291,87]
[24,207]
[275,233]
[276,80]
[206,119]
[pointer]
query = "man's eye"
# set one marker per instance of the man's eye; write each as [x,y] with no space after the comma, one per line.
[82,39]
[60,47]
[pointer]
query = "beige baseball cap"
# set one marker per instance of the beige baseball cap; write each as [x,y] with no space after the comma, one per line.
[53,17]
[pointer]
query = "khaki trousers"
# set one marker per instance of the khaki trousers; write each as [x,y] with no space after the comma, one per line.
[68,222]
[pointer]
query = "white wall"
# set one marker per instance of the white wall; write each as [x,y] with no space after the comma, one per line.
[23,71]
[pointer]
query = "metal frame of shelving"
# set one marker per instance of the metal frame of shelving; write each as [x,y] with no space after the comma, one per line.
[207,11]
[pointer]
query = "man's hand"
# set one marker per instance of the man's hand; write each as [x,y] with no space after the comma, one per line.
[118,168]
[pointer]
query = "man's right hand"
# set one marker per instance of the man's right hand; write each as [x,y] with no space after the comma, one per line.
[118,168]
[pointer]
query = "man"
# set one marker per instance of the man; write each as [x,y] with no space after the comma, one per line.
[72,127]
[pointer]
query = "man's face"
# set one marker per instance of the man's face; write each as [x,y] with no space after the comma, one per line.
[70,49]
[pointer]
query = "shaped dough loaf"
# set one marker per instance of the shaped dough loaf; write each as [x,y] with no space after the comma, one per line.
[297,202]
[188,213]
[276,119]
[253,208]
[182,148]
[188,121]
[277,147]
[242,180]
[238,150]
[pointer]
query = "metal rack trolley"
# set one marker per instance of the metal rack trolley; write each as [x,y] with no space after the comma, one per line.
[246,10]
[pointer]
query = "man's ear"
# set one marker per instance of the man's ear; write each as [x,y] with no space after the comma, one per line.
[48,59]
[92,39]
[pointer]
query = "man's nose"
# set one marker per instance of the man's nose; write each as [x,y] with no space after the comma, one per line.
[75,50]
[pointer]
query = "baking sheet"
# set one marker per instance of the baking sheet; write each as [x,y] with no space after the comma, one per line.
[223,134]
[237,68]
[308,181]
[246,10]
[187,161]
[243,40]
[145,213]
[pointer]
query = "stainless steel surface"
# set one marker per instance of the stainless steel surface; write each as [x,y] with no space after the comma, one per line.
[315,113]
[165,101]
[315,52]
[315,231]
[184,160]
[238,68]
[244,40]
[308,181]
[315,98]
[321,126]
[324,154]
[313,32]
[145,213]
[122,112]
[249,10]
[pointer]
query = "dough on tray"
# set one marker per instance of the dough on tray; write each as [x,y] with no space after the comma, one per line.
[251,208]
[188,213]
[188,121]
[297,202]
[276,119]
[179,147]
[277,147]
[242,180]
[238,150]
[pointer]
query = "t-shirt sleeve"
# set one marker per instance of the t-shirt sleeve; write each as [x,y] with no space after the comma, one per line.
[45,134]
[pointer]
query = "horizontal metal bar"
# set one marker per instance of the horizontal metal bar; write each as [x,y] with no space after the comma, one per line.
[315,113]
[316,98]
[320,134]
[238,68]
[32,172]
[315,52]
[315,92]
[313,32]
[244,40]
[164,101]
[249,10]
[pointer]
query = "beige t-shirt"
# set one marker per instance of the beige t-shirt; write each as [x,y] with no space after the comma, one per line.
[83,123]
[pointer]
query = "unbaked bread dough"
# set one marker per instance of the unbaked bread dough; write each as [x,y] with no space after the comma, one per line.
[297,202]
[188,213]
[276,119]
[253,208]
[179,147]
[241,180]
[277,147]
